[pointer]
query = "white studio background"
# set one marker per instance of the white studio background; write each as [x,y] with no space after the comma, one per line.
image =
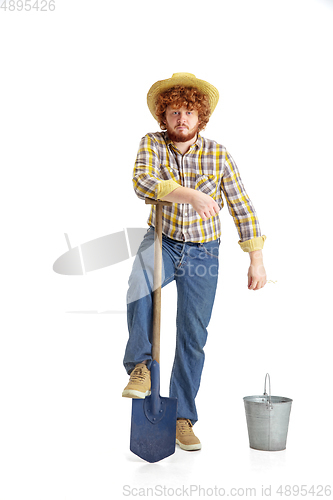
[72,111]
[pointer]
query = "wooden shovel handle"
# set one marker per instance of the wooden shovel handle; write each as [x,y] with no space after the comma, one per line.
[157,287]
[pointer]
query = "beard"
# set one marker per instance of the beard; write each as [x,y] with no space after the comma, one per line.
[181,136]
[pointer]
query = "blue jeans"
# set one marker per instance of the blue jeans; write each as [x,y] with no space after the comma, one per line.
[194,267]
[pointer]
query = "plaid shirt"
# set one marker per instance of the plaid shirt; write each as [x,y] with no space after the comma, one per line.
[208,167]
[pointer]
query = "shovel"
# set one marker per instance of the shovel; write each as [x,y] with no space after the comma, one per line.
[153,426]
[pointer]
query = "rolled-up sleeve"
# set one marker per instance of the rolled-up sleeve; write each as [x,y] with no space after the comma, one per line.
[240,207]
[147,181]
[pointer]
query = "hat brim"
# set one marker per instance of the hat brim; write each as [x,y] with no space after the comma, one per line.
[186,80]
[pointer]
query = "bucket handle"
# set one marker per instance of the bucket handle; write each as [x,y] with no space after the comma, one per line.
[269,405]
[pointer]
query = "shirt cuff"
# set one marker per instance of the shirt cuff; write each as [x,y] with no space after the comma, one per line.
[166,187]
[253,244]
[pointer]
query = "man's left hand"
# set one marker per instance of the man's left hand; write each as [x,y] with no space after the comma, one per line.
[256,274]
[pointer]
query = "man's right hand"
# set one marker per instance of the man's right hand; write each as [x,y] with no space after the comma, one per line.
[202,203]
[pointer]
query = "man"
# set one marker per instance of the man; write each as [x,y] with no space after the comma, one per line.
[180,166]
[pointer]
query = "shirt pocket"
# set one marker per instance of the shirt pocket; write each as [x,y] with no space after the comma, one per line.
[207,184]
[169,173]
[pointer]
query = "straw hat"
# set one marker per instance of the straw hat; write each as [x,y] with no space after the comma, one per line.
[187,80]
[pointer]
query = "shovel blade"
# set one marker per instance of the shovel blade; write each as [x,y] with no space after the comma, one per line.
[154,420]
[153,441]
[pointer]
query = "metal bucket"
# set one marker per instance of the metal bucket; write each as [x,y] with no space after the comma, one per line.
[267,420]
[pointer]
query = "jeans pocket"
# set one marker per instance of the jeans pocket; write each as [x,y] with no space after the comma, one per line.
[149,231]
[212,250]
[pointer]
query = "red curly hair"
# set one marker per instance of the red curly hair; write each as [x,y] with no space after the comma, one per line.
[179,96]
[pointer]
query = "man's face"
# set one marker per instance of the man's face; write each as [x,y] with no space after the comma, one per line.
[182,124]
